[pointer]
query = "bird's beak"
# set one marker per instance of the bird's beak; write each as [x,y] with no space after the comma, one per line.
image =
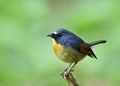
[49,35]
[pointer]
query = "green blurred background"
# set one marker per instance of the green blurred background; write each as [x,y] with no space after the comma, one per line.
[26,55]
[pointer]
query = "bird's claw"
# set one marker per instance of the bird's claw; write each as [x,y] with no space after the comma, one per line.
[66,72]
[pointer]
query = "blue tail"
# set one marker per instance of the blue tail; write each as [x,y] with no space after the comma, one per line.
[97,42]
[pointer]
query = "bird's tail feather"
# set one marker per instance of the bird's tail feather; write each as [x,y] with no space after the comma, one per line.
[97,42]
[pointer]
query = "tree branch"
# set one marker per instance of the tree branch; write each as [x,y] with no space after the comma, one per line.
[67,75]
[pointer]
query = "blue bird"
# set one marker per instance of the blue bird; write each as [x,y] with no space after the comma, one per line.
[70,48]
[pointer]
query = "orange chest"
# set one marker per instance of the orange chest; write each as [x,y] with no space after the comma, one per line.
[66,54]
[57,47]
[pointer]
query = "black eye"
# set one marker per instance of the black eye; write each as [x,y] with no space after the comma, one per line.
[59,35]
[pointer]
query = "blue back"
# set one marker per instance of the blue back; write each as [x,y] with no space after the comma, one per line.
[68,39]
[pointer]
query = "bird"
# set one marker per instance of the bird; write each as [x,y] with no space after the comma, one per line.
[70,48]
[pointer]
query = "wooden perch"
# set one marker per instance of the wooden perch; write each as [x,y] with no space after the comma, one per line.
[67,75]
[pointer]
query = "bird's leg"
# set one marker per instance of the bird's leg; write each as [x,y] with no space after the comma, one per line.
[68,66]
[73,66]
[68,69]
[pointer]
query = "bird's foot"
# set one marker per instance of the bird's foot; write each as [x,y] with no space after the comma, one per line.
[66,72]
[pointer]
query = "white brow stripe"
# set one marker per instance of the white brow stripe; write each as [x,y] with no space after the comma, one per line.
[55,32]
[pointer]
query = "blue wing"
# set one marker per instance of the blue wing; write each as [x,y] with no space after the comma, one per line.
[70,41]
[78,45]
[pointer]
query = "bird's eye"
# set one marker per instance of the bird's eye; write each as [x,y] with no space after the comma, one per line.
[59,35]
